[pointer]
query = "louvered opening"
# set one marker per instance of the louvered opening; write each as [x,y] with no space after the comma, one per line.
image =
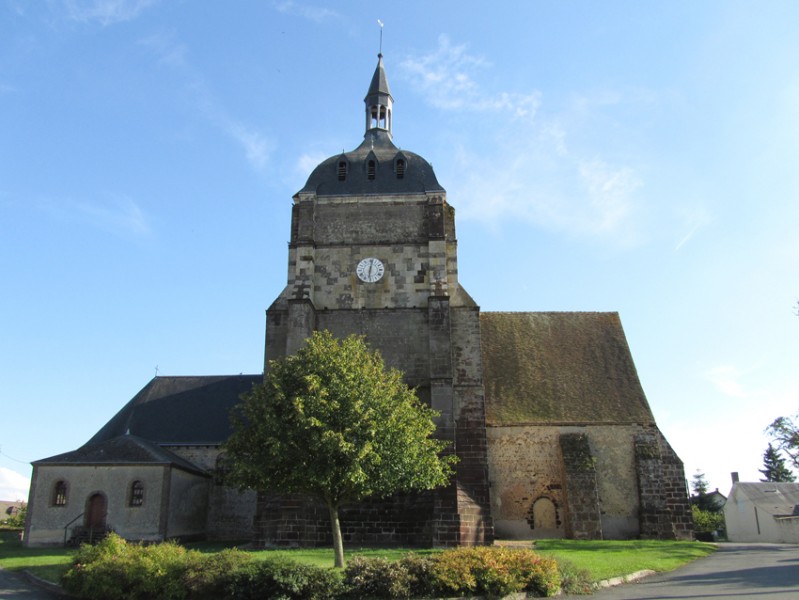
[371,167]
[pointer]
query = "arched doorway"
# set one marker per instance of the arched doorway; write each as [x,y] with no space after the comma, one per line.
[96,511]
[544,519]
[544,514]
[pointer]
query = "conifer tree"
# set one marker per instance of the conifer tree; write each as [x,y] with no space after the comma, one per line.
[774,468]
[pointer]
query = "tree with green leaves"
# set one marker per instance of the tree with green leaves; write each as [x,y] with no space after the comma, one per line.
[699,483]
[785,434]
[331,421]
[774,468]
[700,498]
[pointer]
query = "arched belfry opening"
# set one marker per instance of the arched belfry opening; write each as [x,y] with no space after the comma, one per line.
[378,101]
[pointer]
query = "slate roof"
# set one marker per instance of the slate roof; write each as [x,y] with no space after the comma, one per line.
[121,450]
[559,368]
[418,177]
[776,499]
[180,410]
[379,84]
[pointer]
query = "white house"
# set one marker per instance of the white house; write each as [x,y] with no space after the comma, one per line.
[763,512]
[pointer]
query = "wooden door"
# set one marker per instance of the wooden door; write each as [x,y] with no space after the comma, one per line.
[96,513]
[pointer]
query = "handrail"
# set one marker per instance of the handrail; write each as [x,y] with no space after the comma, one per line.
[67,525]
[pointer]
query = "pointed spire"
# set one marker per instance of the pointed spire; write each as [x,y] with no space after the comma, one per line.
[378,100]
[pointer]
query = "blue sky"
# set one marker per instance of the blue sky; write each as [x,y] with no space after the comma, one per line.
[638,157]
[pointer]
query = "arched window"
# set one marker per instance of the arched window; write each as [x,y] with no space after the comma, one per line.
[371,167]
[400,168]
[60,493]
[136,493]
[342,170]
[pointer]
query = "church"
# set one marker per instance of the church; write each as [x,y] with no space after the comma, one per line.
[544,409]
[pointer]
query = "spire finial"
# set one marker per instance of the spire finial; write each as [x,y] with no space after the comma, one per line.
[380,52]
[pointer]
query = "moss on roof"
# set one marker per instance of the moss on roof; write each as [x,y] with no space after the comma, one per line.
[559,368]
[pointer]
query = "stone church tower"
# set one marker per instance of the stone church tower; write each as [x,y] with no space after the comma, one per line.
[373,252]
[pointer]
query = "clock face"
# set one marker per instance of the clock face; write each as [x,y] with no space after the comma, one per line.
[370,270]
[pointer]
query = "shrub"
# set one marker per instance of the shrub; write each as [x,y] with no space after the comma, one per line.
[494,572]
[283,579]
[575,581]
[117,570]
[409,577]
[707,521]
[206,575]
[16,519]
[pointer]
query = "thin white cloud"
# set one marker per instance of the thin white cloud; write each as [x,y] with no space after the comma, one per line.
[537,167]
[173,54]
[609,191]
[446,78]
[309,161]
[13,486]
[106,12]
[119,216]
[168,50]
[534,177]
[306,11]
[726,379]
[257,148]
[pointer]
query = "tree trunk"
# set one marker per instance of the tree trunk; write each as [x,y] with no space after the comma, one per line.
[338,544]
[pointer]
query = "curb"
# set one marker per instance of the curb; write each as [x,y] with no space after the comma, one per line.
[632,577]
[48,586]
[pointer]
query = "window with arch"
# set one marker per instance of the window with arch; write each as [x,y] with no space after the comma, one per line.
[60,493]
[400,168]
[371,168]
[136,493]
[342,170]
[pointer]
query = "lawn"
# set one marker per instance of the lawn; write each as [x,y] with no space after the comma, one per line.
[47,563]
[603,559]
[612,558]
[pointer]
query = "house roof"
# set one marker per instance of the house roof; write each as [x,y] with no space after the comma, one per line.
[777,499]
[559,368]
[180,410]
[124,449]
[9,508]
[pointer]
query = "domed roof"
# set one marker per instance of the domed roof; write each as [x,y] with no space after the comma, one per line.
[377,166]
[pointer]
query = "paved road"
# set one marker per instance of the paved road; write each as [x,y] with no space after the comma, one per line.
[15,587]
[736,571]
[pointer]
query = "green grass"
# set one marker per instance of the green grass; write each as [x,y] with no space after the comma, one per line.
[321,557]
[606,559]
[602,559]
[47,563]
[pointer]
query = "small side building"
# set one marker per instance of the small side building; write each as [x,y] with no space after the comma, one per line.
[150,473]
[763,512]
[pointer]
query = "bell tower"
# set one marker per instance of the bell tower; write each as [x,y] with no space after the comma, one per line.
[373,252]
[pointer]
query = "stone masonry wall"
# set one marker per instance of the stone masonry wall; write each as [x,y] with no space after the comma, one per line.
[231,512]
[582,499]
[665,509]
[294,521]
[524,466]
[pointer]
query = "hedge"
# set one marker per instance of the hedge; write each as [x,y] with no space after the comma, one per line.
[118,570]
